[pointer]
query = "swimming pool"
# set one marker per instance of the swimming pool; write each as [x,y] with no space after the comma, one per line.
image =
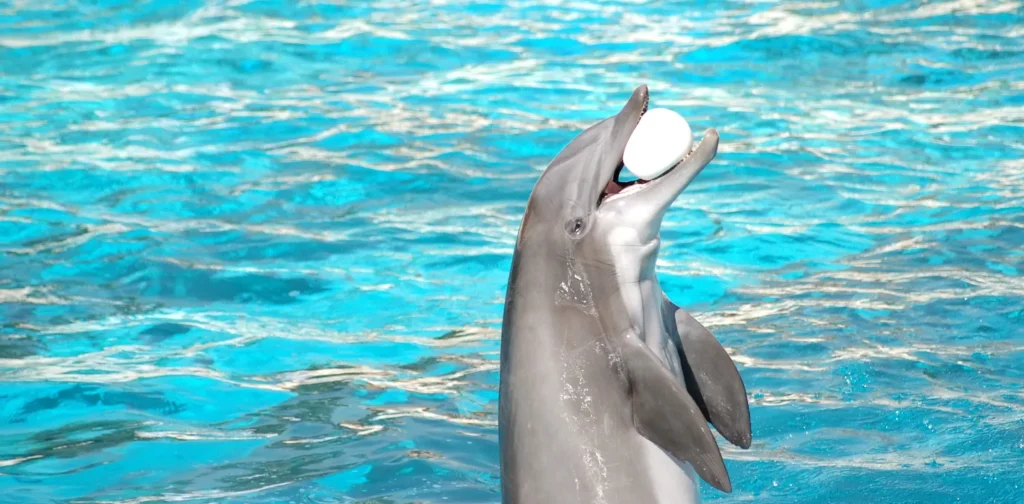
[256,252]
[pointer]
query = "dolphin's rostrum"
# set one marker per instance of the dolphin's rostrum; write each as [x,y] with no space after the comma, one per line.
[607,387]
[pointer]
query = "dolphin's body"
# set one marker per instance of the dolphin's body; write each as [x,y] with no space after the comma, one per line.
[607,387]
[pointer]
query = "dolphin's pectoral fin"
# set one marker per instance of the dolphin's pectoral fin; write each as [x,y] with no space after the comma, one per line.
[713,380]
[665,414]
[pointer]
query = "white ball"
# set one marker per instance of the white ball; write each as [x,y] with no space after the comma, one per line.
[660,140]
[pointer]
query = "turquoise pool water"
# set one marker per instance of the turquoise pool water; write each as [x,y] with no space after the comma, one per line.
[256,252]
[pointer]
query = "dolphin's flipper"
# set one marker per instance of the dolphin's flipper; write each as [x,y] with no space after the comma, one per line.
[712,379]
[665,414]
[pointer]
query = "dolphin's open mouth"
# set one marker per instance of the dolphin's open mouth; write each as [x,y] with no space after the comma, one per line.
[618,187]
[659,191]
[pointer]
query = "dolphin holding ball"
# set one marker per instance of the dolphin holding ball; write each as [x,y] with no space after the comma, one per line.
[609,391]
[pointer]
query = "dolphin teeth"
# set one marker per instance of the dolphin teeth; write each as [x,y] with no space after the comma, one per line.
[616,188]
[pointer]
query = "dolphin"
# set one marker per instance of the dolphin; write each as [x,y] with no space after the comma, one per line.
[607,387]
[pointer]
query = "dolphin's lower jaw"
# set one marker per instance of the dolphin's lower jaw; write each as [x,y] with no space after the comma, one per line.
[639,207]
[618,188]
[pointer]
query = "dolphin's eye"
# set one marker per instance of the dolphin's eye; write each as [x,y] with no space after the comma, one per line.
[575,227]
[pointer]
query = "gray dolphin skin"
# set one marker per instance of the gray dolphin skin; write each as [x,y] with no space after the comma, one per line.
[607,387]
